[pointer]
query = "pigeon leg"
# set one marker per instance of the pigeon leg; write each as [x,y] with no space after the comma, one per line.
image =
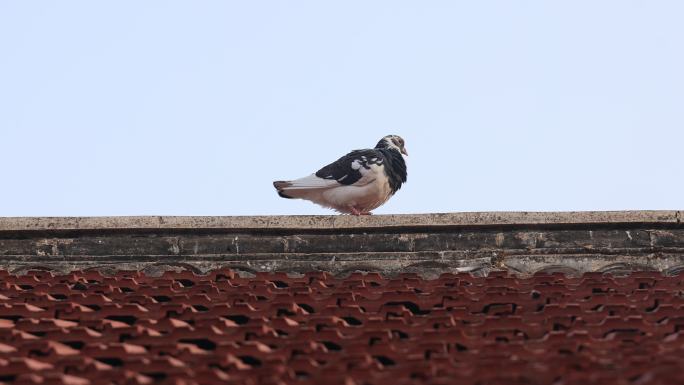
[355,211]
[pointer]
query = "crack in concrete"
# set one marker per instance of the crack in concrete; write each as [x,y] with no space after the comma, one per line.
[651,238]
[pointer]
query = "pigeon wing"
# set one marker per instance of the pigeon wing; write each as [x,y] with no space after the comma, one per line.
[354,168]
[358,168]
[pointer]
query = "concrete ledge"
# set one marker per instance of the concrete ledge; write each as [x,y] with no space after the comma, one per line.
[339,222]
[428,244]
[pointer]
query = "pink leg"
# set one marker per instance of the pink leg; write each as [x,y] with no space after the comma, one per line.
[354,211]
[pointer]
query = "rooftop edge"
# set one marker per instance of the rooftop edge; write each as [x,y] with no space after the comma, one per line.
[331,222]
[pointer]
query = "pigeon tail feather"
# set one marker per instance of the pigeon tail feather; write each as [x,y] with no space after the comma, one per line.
[280,185]
[306,188]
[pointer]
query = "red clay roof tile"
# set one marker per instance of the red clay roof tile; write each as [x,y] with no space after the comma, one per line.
[86,328]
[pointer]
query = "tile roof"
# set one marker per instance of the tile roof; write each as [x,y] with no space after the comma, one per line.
[182,328]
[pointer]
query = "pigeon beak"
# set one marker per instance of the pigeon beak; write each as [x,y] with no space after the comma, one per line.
[403,151]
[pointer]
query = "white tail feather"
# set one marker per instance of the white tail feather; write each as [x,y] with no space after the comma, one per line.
[311,182]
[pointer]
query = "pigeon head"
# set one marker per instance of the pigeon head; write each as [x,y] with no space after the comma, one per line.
[393,142]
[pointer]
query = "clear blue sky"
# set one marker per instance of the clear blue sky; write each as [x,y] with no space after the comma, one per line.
[195,107]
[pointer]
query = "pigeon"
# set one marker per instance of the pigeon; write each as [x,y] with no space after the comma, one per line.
[356,183]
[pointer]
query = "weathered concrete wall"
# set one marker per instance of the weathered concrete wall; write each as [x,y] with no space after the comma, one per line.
[429,244]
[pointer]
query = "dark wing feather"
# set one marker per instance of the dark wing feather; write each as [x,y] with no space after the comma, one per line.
[347,169]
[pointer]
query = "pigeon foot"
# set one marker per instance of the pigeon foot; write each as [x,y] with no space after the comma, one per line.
[357,212]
